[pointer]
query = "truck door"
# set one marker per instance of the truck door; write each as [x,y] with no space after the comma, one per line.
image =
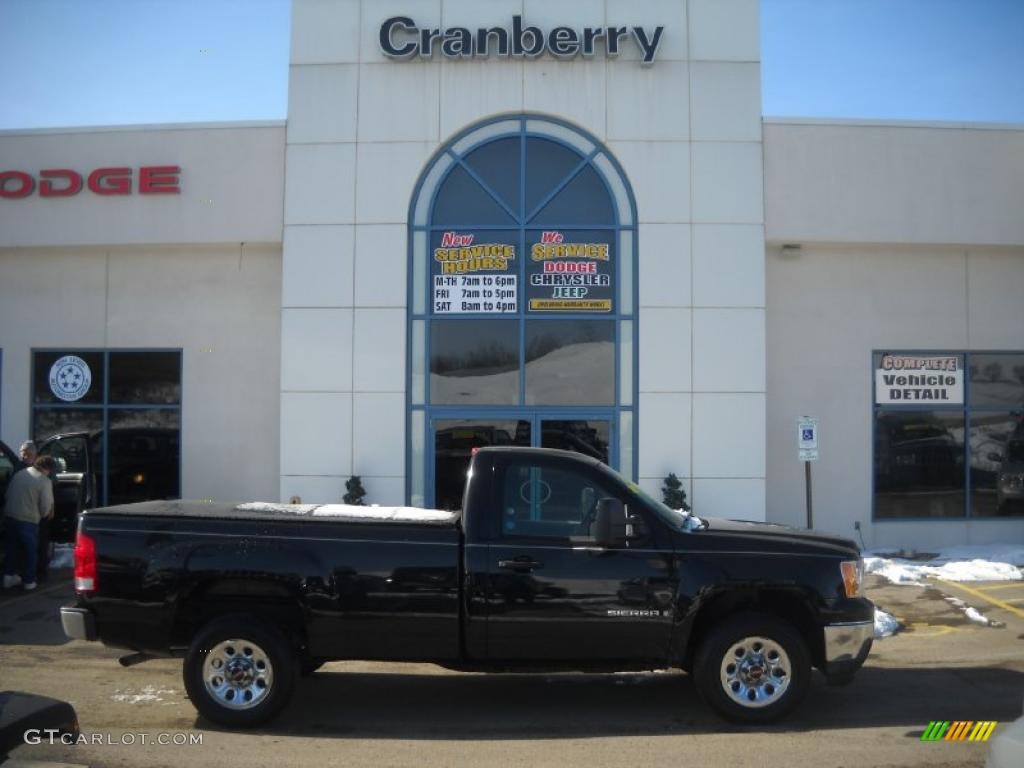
[552,594]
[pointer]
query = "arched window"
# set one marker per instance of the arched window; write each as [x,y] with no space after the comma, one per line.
[522,302]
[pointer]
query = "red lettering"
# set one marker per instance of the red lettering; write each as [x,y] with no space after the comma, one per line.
[47,189]
[551,237]
[111,181]
[450,239]
[159,180]
[574,267]
[27,184]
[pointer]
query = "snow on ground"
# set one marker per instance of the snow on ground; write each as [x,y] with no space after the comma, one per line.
[992,562]
[885,624]
[970,612]
[63,556]
[146,695]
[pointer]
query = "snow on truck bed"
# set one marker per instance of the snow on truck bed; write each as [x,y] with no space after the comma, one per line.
[263,510]
[397,514]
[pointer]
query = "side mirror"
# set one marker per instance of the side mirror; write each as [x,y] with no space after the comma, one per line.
[610,523]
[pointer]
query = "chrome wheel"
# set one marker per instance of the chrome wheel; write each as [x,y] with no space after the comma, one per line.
[237,674]
[755,672]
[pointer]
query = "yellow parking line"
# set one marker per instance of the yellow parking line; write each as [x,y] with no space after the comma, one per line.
[1014,585]
[982,596]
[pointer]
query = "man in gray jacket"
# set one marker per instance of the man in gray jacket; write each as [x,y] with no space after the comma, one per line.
[29,500]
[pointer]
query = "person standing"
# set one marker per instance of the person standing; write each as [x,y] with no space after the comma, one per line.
[29,500]
[28,453]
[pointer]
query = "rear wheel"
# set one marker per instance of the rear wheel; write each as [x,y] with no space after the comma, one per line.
[239,672]
[753,668]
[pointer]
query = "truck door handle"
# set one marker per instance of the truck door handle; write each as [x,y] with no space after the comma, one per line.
[520,564]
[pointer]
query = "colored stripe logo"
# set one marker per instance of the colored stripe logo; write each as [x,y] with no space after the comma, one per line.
[958,730]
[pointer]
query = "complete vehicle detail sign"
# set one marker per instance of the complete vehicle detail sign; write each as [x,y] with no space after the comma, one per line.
[401,38]
[919,379]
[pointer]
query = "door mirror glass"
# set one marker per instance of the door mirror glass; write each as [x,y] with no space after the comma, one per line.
[610,523]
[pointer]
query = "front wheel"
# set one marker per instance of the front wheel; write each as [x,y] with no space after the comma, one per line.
[239,672]
[754,668]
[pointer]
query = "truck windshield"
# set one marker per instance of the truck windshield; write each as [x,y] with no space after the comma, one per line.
[676,518]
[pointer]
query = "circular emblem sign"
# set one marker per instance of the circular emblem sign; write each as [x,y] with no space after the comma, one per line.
[70,378]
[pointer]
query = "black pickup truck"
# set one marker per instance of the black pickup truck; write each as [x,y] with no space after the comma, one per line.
[554,563]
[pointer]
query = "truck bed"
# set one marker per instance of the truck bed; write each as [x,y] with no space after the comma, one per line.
[264,511]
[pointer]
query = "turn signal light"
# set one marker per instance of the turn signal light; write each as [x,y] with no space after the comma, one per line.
[853,575]
[85,563]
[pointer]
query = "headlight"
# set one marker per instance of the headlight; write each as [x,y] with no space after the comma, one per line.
[853,576]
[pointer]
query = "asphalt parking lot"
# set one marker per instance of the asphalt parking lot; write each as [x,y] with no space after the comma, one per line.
[941,666]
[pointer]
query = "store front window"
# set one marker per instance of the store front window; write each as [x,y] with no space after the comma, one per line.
[112,416]
[522,297]
[949,435]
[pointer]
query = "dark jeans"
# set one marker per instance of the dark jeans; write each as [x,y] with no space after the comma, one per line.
[43,550]
[22,546]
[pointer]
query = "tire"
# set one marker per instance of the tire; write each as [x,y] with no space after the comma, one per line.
[256,655]
[753,668]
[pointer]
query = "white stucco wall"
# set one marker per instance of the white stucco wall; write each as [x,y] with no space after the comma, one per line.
[219,304]
[232,185]
[910,237]
[687,131]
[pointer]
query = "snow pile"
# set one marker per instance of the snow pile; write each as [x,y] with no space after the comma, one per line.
[399,514]
[885,624]
[63,556]
[994,562]
[970,612]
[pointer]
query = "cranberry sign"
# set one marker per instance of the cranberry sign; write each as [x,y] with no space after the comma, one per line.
[64,182]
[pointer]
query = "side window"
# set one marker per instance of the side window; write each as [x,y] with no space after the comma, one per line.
[547,501]
[70,453]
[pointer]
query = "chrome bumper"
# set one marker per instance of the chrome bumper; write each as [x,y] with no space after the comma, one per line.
[849,642]
[78,623]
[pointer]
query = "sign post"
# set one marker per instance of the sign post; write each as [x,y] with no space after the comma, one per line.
[807,447]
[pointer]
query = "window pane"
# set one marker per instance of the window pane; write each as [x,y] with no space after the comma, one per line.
[145,377]
[67,376]
[591,438]
[144,455]
[462,201]
[997,379]
[584,200]
[474,361]
[570,271]
[548,502]
[547,165]
[474,271]
[570,362]
[919,464]
[497,165]
[454,441]
[47,422]
[997,464]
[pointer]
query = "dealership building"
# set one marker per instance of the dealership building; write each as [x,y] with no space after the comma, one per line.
[533,222]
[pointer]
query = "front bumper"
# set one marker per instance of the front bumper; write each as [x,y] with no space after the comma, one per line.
[847,645]
[78,623]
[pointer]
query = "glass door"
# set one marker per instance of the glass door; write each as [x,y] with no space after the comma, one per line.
[453,440]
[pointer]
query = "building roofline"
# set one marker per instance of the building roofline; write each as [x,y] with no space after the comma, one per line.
[226,125]
[937,124]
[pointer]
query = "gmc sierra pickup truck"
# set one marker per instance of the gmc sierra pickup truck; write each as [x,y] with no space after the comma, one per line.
[554,563]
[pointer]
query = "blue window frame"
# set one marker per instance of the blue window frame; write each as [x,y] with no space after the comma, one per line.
[123,420]
[951,445]
[522,296]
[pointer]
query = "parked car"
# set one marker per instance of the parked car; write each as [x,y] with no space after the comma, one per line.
[142,464]
[554,562]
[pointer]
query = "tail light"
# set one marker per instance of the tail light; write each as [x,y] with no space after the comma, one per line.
[85,563]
